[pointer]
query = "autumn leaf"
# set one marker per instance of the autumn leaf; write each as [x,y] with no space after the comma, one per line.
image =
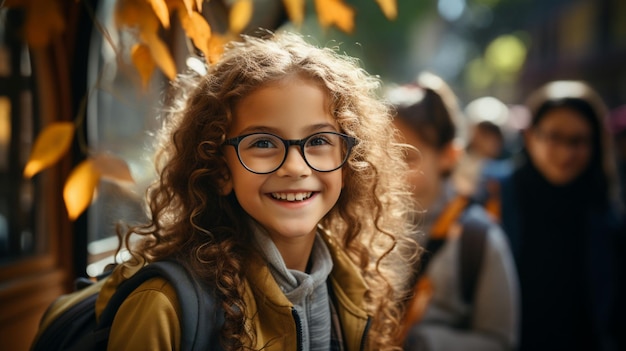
[216,46]
[197,29]
[198,5]
[112,168]
[136,13]
[161,11]
[335,12]
[79,188]
[140,54]
[295,10]
[51,144]
[5,120]
[160,54]
[240,15]
[389,8]
[188,5]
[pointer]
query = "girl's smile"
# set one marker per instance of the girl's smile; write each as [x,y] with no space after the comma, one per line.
[290,201]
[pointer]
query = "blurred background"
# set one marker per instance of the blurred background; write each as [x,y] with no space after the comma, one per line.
[69,61]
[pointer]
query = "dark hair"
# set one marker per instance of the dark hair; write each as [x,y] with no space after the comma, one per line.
[431,111]
[600,174]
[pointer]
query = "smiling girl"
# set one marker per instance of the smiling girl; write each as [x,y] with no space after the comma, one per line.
[278,189]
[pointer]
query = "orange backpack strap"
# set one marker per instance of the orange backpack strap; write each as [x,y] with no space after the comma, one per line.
[423,288]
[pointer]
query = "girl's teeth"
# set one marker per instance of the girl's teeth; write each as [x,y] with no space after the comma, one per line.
[292,196]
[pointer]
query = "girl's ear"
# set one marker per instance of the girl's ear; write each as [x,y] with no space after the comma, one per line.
[449,156]
[226,185]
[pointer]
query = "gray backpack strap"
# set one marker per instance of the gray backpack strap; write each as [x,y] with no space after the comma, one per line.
[200,322]
[472,246]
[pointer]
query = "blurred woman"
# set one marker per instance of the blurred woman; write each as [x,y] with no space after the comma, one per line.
[559,209]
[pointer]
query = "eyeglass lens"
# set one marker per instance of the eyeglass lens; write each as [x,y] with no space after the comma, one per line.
[263,153]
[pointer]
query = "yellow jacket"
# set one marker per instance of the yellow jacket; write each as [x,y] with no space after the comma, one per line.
[149,317]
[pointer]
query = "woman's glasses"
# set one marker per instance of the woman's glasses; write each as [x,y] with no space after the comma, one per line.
[263,153]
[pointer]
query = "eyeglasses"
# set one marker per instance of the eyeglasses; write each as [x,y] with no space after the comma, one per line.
[264,153]
[576,142]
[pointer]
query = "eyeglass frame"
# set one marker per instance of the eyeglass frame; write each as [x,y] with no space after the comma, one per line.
[572,142]
[350,143]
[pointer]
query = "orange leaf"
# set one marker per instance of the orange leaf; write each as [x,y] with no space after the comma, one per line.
[51,143]
[199,5]
[216,46]
[240,15]
[389,8]
[335,12]
[79,188]
[140,54]
[136,13]
[5,123]
[189,5]
[197,29]
[160,54]
[160,9]
[112,168]
[181,5]
[295,10]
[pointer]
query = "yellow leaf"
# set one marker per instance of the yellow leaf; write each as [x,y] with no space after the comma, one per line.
[240,15]
[51,143]
[197,29]
[79,188]
[112,168]
[389,8]
[160,9]
[140,54]
[216,46]
[295,10]
[160,54]
[335,12]
[181,5]
[198,5]
[5,123]
[189,5]
[136,13]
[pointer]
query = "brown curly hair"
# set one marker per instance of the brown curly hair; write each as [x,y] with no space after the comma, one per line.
[194,222]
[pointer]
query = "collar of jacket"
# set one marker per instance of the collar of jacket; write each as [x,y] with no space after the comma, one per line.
[271,311]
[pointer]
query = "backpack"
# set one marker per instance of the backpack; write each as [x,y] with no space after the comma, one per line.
[70,322]
[471,248]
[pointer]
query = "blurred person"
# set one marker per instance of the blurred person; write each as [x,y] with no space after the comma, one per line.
[617,123]
[487,141]
[441,316]
[559,208]
[486,145]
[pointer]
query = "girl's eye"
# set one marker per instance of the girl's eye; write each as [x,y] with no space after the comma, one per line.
[318,140]
[262,142]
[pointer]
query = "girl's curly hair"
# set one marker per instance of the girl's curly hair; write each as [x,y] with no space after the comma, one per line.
[194,222]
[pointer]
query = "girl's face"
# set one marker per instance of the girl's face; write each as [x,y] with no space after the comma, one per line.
[426,165]
[291,201]
[560,145]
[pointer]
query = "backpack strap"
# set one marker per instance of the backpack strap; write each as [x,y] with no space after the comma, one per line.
[472,247]
[197,327]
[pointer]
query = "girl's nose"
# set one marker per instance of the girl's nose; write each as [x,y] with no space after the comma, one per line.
[294,165]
